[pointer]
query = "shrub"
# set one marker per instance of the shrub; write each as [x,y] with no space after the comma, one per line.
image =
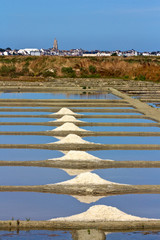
[25,69]
[48,73]
[68,72]
[142,77]
[92,69]
[114,54]
[7,70]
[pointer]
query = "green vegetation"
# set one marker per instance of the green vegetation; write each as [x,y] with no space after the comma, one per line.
[92,69]
[8,70]
[49,73]
[68,72]
[126,77]
[141,77]
[114,55]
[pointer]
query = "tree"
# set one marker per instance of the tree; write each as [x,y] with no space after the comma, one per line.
[92,69]
[114,54]
[8,48]
[2,50]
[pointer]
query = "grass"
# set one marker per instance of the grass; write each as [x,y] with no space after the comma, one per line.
[48,67]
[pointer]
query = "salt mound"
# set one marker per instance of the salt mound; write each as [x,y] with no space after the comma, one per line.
[67,118]
[58,137]
[74,172]
[65,111]
[77,155]
[87,179]
[72,138]
[88,199]
[68,127]
[101,213]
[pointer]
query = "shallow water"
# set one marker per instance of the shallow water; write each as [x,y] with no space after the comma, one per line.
[22,119]
[43,206]
[31,176]
[25,128]
[42,176]
[123,140]
[34,235]
[122,129]
[134,235]
[28,154]
[134,176]
[6,139]
[124,120]
[128,155]
[61,235]
[98,95]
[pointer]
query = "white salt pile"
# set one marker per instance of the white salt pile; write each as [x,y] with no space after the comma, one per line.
[58,137]
[101,213]
[87,179]
[64,152]
[88,199]
[67,118]
[78,155]
[74,172]
[65,111]
[72,138]
[69,127]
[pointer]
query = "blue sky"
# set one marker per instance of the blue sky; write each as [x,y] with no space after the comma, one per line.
[87,24]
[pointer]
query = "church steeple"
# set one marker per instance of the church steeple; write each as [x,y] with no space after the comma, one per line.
[55,44]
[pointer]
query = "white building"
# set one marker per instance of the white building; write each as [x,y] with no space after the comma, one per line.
[105,54]
[5,53]
[90,55]
[146,54]
[28,51]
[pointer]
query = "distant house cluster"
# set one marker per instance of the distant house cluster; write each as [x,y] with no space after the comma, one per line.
[74,52]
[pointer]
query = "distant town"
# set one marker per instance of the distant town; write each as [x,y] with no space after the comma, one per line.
[54,51]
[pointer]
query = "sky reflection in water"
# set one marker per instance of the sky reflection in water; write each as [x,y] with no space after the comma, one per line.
[43,206]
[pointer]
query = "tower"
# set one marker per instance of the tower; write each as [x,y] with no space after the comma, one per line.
[55,44]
